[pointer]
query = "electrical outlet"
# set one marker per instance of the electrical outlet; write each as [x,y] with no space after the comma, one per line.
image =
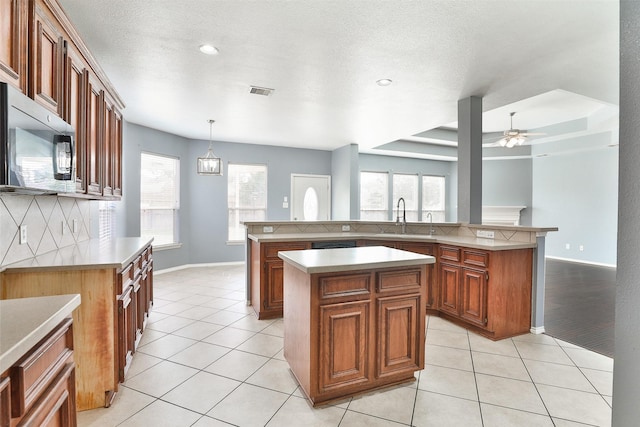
[346,227]
[567,246]
[23,235]
[487,234]
[64,228]
[581,248]
[267,229]
[75,226]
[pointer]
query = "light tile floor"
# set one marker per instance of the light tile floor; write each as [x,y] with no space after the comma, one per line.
[205,360]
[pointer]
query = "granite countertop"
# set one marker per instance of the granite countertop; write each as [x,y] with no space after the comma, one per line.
[347,259]
[93,253]
[467,241]
[25,321]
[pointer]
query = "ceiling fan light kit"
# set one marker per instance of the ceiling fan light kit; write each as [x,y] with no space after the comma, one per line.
[513,137]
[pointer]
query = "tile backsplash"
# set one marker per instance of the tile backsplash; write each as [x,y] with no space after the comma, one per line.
[49,222]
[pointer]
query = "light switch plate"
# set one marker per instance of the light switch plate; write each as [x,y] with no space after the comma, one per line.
[267,229]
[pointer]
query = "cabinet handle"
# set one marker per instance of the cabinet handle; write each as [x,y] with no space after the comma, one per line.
[486,276]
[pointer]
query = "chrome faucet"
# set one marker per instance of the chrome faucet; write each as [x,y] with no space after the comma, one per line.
[404,215]
[432,231]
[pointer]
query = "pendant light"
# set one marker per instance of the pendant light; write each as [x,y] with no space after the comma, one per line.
[210,164]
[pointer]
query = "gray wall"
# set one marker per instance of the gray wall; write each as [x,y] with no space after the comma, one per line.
[626,374]
[208,195]
[508,183]
[577,193]
[203,205]
[137,139]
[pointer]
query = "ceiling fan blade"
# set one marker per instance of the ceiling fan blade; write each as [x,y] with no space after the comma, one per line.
[532,133]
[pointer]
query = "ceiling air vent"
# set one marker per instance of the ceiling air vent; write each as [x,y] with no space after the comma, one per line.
[264,91]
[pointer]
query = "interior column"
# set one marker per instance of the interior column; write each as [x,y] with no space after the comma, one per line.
[470,160]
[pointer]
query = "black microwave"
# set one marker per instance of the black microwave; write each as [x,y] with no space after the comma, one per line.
[36,149]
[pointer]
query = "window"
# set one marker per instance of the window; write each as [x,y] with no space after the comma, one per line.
[246,197]
[433,198]
[106,219]
[159,198]
[406,186]
[374,196]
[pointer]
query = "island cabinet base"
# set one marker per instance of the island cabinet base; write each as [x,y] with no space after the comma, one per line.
[354,331]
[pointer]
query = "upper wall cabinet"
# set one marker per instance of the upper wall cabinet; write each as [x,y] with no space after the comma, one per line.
[46,66]
[13,42]
[42,54]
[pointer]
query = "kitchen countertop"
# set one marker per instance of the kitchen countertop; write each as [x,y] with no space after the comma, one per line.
[89,254]
[25,321]
[470,242]
[313,261]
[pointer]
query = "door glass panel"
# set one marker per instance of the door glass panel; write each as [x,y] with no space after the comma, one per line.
[310,207]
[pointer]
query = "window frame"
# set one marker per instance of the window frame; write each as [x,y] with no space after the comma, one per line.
[176,209]
[230,167]
[386,209]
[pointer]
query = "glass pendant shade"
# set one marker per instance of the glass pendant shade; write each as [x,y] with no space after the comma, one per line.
[210,164]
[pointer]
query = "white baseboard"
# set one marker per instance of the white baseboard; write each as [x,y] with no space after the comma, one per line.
[537,330]
[184,266]
[578,261]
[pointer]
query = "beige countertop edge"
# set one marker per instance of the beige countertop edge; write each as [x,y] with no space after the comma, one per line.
[352,259]
[25,321]
[471,242]
[88,255]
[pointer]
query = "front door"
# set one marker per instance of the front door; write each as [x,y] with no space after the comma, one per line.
[310,197]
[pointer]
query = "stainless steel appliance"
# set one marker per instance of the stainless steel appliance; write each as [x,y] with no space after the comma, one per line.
[36,147]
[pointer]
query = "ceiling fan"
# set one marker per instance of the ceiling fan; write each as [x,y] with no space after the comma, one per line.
[513,137]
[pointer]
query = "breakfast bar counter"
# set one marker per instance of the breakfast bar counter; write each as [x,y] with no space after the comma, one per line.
[354,318]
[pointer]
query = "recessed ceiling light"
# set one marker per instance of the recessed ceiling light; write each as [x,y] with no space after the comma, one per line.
[384,82]
[208,49]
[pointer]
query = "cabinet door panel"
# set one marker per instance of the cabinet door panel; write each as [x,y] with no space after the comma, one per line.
[126,332]
[274,292]
[474,296]
[13,43]
[76,76]
[449,288]
[399,342]
[46,62]
[344,345]
[94,137]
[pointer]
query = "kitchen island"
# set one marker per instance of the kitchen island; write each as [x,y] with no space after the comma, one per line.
[354,318]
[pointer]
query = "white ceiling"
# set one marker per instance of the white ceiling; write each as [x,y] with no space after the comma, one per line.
[323,58]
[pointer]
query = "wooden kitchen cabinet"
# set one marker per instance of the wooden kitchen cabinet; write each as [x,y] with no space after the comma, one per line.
[267,293]
[106,325]
[432,288]
[488,292]
[14,43]
[42,54]
[39,389]
[353,331]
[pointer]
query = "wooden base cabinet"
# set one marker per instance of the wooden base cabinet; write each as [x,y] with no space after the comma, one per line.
[488,292]
[40,388]
[107,326]
[267,277]
[354,331]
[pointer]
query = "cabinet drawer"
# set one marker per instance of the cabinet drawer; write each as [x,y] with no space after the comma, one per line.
[137,267]
[35,372]
[125,279]
[450,253]
[405,280]
[271,251]
[476,258]
[344,285]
